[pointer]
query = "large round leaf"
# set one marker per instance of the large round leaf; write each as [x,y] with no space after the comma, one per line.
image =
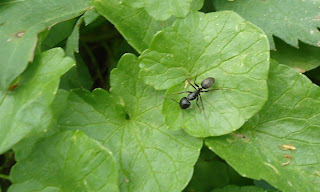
[220,45]
[128,121]
[68,161]
[280,144]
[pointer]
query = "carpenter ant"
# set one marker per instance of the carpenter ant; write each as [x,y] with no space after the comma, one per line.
[195,95]
[205,84]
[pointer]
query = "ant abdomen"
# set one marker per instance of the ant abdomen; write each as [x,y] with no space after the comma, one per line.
[207,82]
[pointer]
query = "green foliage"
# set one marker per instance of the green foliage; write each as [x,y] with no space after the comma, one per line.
[20,22]
[129,122]
[24,110]
[232,188]
[286,119]
[260,126]
[303,59]
[288,20]
[210,45]
[64,162]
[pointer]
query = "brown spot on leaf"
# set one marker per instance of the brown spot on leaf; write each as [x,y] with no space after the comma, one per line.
[287,156]
[287,147]
[12,87]
[242,136]
[20,34]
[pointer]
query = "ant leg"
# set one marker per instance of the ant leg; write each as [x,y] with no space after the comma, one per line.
[172,99]
[194,81]
[201,102]
[197,103]
[204,112]
[213,90]
[192,84]
[180,93]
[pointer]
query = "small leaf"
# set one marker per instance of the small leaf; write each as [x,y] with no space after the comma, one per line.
[57,34]
[298,19]
[132,21]
[72,45]
[20,22]
[291,117]
[90,16]
[220,45]
[128,121]
[303,59]
[68,161]
[25,109]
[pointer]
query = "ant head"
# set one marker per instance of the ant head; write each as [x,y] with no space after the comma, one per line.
[207,82]
[184,103]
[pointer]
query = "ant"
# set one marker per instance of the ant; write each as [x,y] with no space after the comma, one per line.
[205,84]
[195,95]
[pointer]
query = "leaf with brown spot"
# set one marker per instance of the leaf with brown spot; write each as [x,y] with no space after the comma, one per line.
[291,118]
[21,21]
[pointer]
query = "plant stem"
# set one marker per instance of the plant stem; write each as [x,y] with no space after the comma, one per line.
[2,176]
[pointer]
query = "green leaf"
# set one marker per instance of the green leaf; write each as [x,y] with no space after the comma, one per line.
[72,45]
[24,108]
[303,59]
[77,77]
[132,21]
[220,45]
[264,185]
[68,161]
[20,22]
[162,9]
[128,121]
[233,188]
[298,19]
[90,16]
[196,5]
[291,116]
[57,34]
[211,172]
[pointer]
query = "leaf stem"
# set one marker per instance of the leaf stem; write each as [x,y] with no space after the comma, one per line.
[2,176]
[94,62]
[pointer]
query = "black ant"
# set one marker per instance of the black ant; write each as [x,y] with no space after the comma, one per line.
[205,84]
[195,95]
